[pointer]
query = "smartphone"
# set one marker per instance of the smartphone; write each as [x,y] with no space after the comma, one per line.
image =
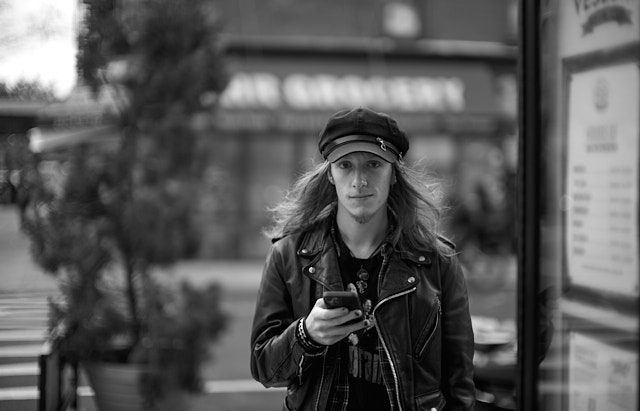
[335,299]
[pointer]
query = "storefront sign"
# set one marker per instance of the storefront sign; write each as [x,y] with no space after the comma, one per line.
[602,179]
[297,93]
[300,91]
[589,25]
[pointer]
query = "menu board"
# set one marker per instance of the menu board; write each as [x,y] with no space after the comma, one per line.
[601,376]
[601,196]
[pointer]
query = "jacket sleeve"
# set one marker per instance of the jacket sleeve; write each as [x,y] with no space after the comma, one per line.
[277,357]
[457,339]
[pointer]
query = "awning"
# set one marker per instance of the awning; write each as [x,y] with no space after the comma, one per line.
[82,118]
[42,140]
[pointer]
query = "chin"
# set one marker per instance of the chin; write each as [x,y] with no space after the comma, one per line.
[362,218]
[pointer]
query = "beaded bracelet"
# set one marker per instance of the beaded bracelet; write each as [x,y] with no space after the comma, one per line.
[303,337]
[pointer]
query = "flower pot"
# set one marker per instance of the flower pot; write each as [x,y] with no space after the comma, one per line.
[116,387]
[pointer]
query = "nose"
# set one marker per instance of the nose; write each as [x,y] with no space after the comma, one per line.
[359,180]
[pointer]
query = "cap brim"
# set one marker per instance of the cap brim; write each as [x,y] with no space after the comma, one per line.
[355,146]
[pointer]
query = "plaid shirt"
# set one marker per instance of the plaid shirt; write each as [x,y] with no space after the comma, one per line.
[340,391]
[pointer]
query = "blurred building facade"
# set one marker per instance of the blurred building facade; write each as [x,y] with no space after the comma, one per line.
[445,69]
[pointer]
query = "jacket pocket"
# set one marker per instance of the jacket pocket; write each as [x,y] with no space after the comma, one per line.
[293,399]
[429,330]
[285,406]
[430,401]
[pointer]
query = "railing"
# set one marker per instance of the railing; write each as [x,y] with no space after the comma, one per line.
[58,378]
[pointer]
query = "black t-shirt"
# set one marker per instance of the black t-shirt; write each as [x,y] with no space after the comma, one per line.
[366,386]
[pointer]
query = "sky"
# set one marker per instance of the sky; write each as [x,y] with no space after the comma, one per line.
[37,43]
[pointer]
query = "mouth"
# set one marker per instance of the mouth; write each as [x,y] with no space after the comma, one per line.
[360,196]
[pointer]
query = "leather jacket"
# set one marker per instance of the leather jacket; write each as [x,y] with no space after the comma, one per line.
[422,317]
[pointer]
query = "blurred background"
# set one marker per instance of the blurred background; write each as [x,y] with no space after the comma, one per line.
[445,69]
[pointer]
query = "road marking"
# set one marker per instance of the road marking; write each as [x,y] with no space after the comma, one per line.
[22,335]
[18,394]
[27,350]
[210,387]
[19,369]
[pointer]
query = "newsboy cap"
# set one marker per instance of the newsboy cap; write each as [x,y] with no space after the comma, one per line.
[362,129]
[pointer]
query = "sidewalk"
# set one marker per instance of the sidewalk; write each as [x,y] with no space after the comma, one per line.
[241,276]
[18,272]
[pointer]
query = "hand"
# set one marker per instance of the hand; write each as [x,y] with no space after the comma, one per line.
[327,326]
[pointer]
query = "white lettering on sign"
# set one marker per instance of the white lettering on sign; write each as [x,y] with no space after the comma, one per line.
[252,90]
[328,92]
[588,6]
[595,13]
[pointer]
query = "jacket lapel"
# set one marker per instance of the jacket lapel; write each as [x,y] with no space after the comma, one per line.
[399,276]
[322,261]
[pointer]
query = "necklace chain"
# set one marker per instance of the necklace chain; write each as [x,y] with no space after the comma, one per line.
[363,277]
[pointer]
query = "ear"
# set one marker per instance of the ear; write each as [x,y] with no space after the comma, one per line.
[330,178]
[393,176]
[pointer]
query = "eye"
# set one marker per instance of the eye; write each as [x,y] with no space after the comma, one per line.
[375,164]
[344,164]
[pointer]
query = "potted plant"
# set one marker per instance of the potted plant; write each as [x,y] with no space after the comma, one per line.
[119,213]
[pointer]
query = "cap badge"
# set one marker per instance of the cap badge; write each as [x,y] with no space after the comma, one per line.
[382,145]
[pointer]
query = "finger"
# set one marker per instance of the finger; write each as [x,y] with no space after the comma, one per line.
[351,315]
[338,333]
[335,326]
[327,317]
[350,328]
[336,313]
[331,335]
[321,311]
[330,313]
[339,316]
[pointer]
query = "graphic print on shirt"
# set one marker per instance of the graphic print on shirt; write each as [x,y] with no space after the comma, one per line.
[365,365]
[364,360]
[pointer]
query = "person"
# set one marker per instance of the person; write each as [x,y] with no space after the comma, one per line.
[364,221]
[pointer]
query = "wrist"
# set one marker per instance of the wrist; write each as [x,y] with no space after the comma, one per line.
[302,334]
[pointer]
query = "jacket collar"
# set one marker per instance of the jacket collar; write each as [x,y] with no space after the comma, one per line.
[321,265]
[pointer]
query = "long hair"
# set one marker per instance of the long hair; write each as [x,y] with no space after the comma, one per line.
[412,203]
[307,203]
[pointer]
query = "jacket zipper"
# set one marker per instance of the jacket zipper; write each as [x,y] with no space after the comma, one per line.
[427,342]
[384,344]
[300,363]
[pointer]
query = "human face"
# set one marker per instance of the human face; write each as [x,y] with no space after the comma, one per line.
[362,182]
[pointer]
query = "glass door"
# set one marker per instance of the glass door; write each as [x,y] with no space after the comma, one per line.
[579,173]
